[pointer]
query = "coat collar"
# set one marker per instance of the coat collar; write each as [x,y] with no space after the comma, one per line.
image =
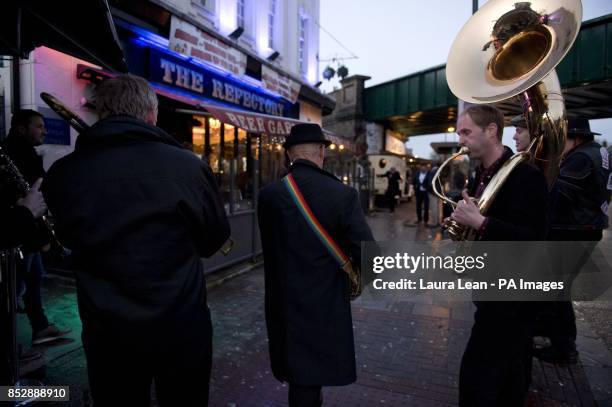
[19,143]
[116,130]
[309,166]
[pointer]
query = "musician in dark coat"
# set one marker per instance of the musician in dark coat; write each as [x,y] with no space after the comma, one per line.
[28,131]
[496,364]
[578,213]
[308,312]
[139,212]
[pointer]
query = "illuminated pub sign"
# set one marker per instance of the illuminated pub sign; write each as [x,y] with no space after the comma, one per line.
[171,71]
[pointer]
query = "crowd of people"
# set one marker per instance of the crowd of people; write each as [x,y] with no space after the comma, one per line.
[138,212]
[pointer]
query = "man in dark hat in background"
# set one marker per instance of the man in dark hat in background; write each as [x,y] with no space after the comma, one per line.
[521,136]
[308,313]
[579,213]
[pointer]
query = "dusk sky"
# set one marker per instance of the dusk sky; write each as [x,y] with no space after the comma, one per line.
[394,38]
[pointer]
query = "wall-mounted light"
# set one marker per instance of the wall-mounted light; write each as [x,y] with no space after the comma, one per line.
[236,33]
[273,56]
[332,146]
[451,129]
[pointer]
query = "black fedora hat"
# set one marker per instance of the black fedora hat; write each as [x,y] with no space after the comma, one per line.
[305,133]
[579,127]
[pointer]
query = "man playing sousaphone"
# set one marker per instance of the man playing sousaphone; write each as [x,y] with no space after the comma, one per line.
[496,364]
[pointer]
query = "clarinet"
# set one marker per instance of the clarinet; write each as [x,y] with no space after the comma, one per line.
[10,172]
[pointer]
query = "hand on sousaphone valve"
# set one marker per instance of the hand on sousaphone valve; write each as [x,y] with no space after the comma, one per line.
[467,213]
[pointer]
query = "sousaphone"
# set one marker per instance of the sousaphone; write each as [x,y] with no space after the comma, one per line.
[506,50]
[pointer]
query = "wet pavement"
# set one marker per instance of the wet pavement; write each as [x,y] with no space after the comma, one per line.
[407,353]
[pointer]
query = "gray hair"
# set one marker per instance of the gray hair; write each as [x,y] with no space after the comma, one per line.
[125,95]
[306,151]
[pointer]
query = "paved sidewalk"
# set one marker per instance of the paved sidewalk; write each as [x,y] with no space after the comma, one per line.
[408,354]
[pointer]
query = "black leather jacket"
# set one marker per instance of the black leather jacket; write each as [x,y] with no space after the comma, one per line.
[580,195]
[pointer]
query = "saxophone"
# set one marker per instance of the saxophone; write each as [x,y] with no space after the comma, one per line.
[9,173]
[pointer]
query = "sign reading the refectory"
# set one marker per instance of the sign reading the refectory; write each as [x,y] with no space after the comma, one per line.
[196,79]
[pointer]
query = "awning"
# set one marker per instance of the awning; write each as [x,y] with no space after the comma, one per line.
[83,29]
[263,123]
[249,121]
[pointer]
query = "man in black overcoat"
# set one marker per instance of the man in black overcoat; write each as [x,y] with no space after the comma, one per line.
[308,312]
[139,212]
[496,364]
[578,213]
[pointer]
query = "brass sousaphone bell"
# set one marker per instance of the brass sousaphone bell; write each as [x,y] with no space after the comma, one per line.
[509,49]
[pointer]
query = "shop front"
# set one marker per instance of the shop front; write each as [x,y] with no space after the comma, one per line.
[229,121]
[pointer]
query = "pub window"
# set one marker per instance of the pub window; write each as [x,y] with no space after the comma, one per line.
[197,137]
[230,153]
[272,159]
[244,178]
[253,68]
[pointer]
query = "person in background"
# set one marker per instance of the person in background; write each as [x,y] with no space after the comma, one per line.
[521,134]
[393,187]
[580,199]
[422,196]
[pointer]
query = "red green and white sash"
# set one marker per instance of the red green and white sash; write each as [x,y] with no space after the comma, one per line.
[313,222]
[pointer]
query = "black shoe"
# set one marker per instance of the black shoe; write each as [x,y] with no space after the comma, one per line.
[557,356]
[27,355]
[50,333]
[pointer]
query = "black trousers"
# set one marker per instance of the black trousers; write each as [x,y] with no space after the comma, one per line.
[121,373]
[496,364]
[31,271]
[305,396]
[390,196]
[557,319]
[422,205]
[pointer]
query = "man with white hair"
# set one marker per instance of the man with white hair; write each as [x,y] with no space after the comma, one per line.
[139,212]
[308,313]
